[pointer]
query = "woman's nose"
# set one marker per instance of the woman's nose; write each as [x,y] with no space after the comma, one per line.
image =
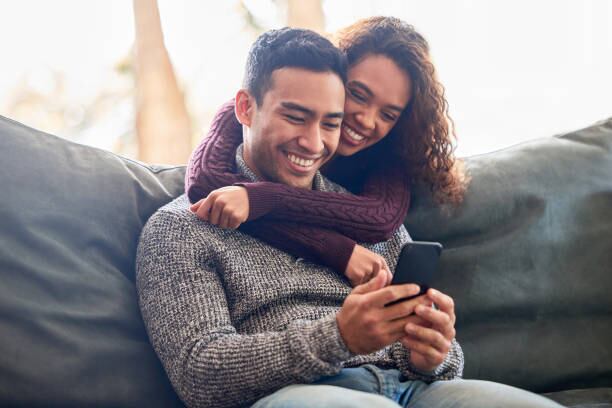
[366,119]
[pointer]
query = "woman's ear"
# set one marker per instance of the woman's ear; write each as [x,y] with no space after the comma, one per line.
[244,107]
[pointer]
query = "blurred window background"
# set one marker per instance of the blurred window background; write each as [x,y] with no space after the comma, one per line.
[513,70]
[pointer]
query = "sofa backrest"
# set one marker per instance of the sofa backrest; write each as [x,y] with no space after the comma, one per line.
[70,217]
[528,260]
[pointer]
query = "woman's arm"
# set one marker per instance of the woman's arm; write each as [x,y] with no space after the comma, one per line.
[320,245]
[370,217]
[212,163]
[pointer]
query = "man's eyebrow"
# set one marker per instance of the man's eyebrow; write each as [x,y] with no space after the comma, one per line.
[310,112]
[367,90]
[334,115]
[296,107]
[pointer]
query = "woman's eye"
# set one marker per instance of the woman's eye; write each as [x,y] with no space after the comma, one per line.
[359,97]
[389,117]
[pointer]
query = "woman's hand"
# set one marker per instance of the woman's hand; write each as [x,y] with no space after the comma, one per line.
[364,264]
[225,207]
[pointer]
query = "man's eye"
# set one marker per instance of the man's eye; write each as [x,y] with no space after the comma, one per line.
[295,119]
[331,125]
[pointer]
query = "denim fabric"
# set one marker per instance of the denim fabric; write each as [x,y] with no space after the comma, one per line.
[370,386]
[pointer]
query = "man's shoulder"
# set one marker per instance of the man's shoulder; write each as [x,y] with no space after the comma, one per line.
[176,210]
[322,183]
[175,218]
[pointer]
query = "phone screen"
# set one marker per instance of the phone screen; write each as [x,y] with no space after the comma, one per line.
[417,264]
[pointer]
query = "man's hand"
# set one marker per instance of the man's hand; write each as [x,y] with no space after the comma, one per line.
[366,325]
[226,207]
[430,341]
[363,264]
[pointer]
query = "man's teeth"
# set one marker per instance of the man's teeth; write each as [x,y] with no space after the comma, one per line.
[354,135]
[299,161]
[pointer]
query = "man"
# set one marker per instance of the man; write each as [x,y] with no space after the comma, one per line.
[236,321]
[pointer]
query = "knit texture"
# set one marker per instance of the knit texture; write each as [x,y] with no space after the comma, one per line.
[338,219]
[234,319]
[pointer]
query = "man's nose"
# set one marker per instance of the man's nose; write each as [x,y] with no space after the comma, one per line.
[312,140]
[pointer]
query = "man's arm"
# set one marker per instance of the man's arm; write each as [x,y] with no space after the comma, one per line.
[451,367]
[186,314]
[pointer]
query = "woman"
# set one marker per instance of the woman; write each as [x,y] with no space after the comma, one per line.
[396,132]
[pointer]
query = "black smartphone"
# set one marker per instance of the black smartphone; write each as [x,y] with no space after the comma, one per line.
[418,262]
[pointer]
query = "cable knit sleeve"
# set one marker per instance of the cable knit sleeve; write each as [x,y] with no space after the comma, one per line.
[370,217]
[185,311]
[212,165]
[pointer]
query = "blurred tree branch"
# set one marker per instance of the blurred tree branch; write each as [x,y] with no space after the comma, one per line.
[306,14]
[163,126]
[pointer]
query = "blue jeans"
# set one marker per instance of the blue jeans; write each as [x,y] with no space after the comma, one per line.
[370,386]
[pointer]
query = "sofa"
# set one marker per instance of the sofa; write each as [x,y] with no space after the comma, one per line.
[528,260]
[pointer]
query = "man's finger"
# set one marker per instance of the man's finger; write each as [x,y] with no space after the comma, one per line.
[444,303]
[439,319]
[384,264]
[433,356]
[428,336]
[389,277]
[403,309]
[397,327]
[395,292]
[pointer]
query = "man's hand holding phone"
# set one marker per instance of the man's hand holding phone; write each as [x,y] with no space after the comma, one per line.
[430,337]
[365,321]
[375,315]
[430,334]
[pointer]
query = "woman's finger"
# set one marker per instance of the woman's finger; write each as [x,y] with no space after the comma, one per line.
[215,212]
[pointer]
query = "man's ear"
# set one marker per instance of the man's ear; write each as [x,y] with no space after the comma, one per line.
[244,107]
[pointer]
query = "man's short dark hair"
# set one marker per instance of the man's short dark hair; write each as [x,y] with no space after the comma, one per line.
[289,47]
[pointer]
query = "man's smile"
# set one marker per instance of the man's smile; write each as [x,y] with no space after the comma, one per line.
[302,164]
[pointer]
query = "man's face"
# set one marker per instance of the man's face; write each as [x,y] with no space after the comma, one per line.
[296,128]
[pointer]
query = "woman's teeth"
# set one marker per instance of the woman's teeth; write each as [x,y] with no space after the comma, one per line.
[299,161]
[354,135]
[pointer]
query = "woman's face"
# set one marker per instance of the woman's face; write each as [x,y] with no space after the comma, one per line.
[377,92]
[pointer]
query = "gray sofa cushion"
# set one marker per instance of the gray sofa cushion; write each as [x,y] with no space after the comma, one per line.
[70,327]
[528,261]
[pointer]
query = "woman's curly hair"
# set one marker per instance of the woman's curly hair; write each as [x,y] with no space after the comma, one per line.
[422,141]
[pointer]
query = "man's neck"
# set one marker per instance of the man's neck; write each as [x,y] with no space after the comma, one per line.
[243,167]
[249,163]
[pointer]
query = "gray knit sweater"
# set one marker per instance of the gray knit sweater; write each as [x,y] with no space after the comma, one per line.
[233,319]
